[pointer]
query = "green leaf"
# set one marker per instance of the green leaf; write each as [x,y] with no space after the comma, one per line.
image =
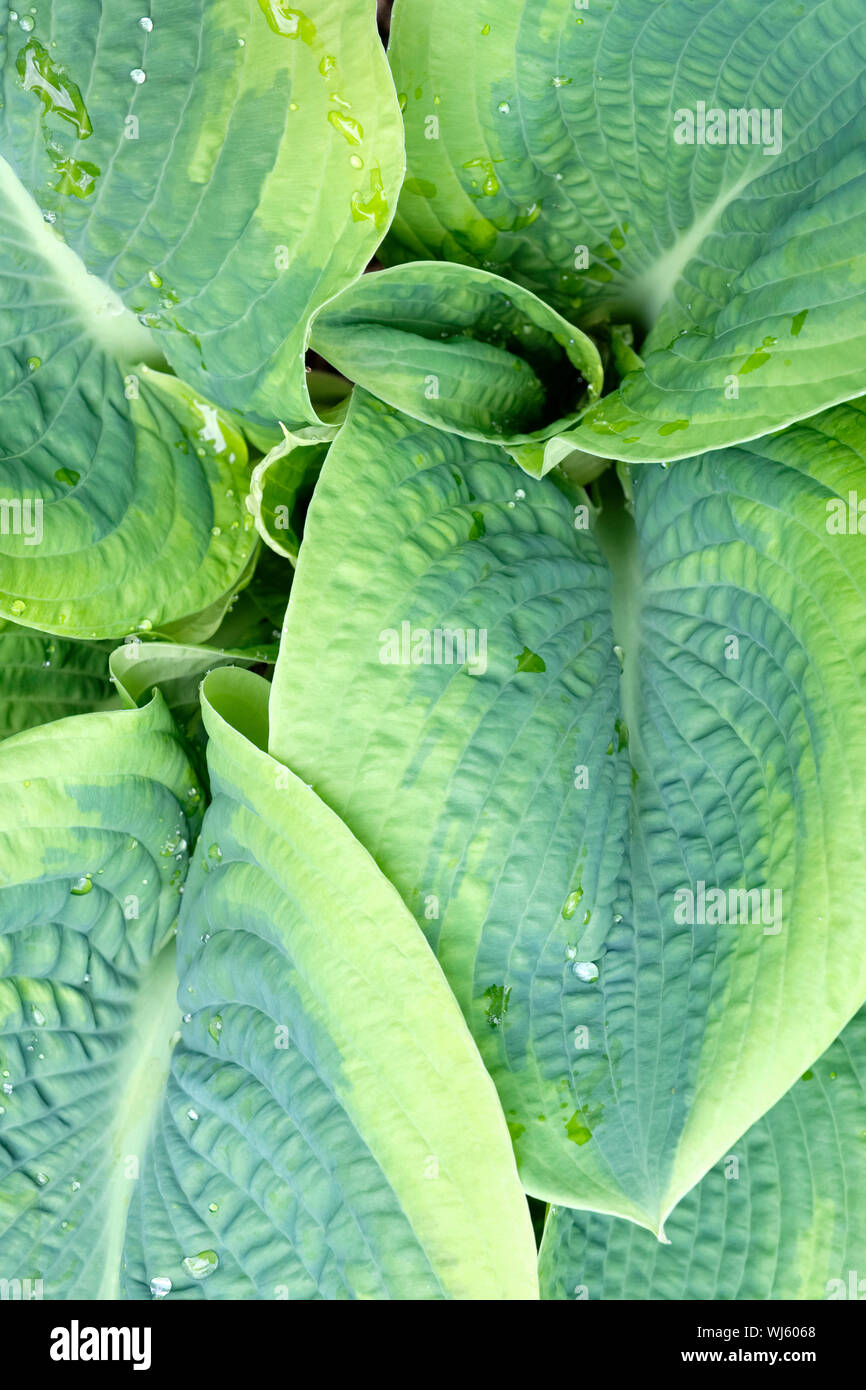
[282,485]
[121,491]
[564,164]
[95,815]
[542,818]
[328,1128]
[267,593]
[138,668]
[464,350]
[782,1216]
[45,678]
[226,170]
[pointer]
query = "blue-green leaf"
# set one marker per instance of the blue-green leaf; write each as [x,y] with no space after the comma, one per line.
[45,678]
[328,1129]
[449,680]
[464,350]
[782,1216]
[697,167]
[226,169]
[96,816]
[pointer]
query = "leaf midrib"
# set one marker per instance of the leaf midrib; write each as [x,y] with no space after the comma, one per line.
[141,1069]
[109,324]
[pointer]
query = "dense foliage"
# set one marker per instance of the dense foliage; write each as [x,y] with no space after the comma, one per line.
[432,648]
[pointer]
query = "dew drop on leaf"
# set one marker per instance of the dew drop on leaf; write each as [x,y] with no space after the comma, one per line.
[585,970]
[202,1265]
[288,23]
[569,907]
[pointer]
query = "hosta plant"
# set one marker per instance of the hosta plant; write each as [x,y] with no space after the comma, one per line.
[432,649]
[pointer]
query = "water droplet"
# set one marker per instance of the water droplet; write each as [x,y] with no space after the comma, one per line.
[38,1016]
[202,1265]
[49,217]
[585,970]
[8,1088]
[569,907]
[497,997]
[75,177]
[347,126]
[17,606]
[520,494]
[327,64]
[42,1179]
[147,25]
[26,23]
[289,24]
[155,279]
[138,76]
[215,852]
[215,1027]
[356,161]
[213,1207]
[373,208]
[560,81]
[192,1114]
[81,886]
[160,1286]
[504,108]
